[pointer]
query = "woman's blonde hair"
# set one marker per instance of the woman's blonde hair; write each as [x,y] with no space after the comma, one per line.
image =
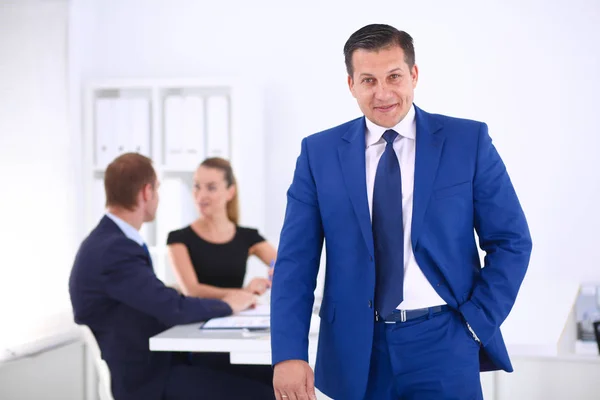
[233,207]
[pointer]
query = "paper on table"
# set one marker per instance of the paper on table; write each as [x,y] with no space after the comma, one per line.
[238,322]
[259,310]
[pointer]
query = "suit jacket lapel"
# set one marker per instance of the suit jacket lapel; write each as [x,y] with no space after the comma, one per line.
[107,224]
[352,159]
[430,141]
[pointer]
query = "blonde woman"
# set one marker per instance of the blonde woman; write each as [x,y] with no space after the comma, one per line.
[209,256]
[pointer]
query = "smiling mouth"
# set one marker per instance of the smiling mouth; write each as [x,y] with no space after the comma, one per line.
[386,108]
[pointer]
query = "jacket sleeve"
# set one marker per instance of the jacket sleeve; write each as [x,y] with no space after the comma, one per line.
[130,279]
[503,235]
[298,258]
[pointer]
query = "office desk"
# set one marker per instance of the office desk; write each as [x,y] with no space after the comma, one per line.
[540,328]
[243,347]
[541,324]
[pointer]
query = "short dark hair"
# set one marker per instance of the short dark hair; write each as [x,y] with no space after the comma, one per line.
[376,37]
[125,177]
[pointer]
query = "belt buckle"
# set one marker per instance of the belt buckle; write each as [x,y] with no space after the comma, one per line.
[389,322]
[402,318]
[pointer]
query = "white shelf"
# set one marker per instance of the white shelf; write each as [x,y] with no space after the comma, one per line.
[177,170]
[160,170]
[241,136]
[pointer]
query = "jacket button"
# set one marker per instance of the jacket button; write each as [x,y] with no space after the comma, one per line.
[370,304]
[371,258]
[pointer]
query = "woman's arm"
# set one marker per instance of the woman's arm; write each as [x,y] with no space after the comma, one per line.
[265,252]
[187,278]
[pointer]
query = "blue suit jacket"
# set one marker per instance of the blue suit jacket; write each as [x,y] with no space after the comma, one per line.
[461,186]
[115,292]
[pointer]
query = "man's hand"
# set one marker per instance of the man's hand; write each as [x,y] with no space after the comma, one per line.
[258,286]
[239,300]
[294,380]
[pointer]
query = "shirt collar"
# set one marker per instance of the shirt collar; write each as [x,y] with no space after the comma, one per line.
[127,229]
[406,127]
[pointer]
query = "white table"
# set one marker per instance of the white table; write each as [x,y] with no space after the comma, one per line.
[541,326]
[243,347]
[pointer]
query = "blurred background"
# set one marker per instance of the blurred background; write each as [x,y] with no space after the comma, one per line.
[528,68]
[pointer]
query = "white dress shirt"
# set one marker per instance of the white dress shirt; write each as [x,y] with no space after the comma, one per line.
[127,229]
[418,292]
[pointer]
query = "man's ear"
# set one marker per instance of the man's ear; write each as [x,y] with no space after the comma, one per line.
[351,85]
[414,73]
[147,192]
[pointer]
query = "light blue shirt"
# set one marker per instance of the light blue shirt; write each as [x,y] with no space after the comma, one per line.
[127,229]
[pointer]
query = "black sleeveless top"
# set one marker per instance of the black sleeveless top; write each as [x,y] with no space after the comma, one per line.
[218,264]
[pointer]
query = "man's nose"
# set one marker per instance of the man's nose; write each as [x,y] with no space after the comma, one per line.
[382,91]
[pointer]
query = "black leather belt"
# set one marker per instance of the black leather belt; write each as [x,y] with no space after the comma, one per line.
[407,315]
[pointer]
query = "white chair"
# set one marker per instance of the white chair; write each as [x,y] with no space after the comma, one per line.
[97,373]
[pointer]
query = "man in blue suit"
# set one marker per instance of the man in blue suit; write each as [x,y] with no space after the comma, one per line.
[115,292]
[407,312]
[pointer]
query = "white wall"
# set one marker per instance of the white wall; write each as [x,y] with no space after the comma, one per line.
[527,68]
[37,164]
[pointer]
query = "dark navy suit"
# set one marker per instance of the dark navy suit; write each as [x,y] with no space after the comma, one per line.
[460,186]
[115,292]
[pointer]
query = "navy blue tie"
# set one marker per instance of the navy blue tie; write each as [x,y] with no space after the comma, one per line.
[145,247]
[388,231]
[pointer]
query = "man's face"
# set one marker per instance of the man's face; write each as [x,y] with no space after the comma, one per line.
[383,84]
[151,199]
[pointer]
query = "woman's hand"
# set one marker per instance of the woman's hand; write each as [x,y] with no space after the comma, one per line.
[258,286]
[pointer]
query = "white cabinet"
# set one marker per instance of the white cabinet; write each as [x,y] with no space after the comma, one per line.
[177,123]
[121,122]
[185,138]
[218,126]
[139,125]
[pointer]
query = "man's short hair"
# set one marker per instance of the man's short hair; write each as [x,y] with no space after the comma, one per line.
[125,177]
[375,37]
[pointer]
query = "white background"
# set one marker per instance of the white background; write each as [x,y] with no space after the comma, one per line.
[38,171]
[527,68]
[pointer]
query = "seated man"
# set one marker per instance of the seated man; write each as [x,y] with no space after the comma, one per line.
[115,292]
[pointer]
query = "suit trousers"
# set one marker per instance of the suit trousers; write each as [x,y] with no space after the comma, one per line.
[195,382]
[432,357]
[179,380]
